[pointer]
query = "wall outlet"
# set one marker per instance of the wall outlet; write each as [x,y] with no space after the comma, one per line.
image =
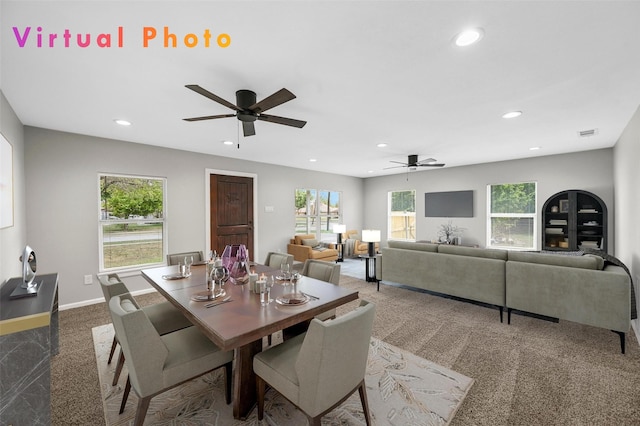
[269,209]
[88,279]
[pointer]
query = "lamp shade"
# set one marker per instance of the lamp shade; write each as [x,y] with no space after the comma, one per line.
[339,229]
[371,235]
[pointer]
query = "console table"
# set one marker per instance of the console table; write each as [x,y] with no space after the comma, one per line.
[28,340]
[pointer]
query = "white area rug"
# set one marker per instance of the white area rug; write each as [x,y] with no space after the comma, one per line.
[402,389]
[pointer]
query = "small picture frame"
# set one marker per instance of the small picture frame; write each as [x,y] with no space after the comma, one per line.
[564,206]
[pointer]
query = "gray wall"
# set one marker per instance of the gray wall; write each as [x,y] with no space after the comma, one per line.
[62,195]
[588,170]
[627,196]
[14,238]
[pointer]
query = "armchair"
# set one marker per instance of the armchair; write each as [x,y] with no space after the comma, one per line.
[304,247]
[353,243]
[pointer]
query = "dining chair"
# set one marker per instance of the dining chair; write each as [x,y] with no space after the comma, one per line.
[275,259]
[320,369]
[164,316]
[158,363]
[323,271]
[176,258]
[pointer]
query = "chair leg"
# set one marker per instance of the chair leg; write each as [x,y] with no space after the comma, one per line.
[113,349]
[362,390]
[141,412]
[119,366]
[314,421]
[228,374]
[260,385]
[125,395]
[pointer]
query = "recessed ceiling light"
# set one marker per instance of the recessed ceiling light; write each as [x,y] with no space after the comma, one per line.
[468,37]
[227,142]
[512,114]
[381,145]
[122,122]
[534,148]
[312,160]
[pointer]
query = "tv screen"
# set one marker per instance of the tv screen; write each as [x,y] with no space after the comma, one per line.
[448,204]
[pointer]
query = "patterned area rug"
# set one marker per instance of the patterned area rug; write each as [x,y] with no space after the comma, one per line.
[402,389]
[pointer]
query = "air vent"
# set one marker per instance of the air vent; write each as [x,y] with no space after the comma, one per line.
[587,133]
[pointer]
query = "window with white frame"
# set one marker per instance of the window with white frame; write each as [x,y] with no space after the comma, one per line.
[511,216]
[401,215]
[317,211]
[132,228]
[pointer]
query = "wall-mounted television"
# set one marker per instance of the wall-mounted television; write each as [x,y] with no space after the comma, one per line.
[448,204]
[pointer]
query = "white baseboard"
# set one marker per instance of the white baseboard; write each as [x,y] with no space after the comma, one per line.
[100,300]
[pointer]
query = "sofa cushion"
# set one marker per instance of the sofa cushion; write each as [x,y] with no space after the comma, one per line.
[585,262]
[312,242]
[473,251]
[410,245]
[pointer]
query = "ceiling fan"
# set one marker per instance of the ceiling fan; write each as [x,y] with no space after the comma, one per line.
[413,163]
[247,110]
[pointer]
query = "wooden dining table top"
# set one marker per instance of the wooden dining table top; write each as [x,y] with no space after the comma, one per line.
[243,319]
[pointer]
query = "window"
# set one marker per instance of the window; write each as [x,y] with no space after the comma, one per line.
[317,211]
[512,219]
[402,215]
[132,231]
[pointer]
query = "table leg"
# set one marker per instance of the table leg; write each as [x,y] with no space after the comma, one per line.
[244,380]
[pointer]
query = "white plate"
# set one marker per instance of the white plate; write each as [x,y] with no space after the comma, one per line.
[292,299]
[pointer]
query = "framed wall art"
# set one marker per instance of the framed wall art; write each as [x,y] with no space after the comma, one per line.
[6,183]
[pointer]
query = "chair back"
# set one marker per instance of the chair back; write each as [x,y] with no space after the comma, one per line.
[333,358]
[112,286]
[321,270]
[274,260]
[175,258]
[144,350]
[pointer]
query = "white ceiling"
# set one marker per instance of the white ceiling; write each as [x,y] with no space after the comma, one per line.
[364,72]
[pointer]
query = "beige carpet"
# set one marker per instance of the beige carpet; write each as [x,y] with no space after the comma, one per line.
[402,389]
[531,372]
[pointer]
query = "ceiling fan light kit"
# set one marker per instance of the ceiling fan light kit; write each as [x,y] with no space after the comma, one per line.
[247,110]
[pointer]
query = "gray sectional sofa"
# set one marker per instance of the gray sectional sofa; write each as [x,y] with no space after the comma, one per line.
[581,289]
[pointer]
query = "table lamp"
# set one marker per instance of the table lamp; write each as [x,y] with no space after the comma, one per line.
[371,236]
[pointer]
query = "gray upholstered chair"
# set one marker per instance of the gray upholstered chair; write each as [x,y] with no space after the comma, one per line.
[274,260]
[323,271]
[158,363]
[164,316]
[175,258]
[320,369]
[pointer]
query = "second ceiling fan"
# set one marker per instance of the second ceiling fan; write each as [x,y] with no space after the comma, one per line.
[247,110]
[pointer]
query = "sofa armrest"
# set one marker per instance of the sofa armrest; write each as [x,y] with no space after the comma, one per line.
[299,252]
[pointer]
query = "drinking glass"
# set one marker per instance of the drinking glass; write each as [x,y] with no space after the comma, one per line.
[270,282]
[188,261]
[264,292]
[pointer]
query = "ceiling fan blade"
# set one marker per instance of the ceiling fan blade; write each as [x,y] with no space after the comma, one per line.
[398,162]
[248,128]
[432,165]
[208,94]
[282,120]
[394,167]
[278,98]
[426,161]
[208,117]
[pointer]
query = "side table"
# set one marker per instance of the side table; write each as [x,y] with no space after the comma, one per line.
[370,268]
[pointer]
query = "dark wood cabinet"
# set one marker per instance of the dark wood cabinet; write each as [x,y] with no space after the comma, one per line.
[574,220]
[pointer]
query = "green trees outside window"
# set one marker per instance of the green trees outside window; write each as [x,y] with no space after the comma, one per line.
[402,215]
[132,228]
[512,215]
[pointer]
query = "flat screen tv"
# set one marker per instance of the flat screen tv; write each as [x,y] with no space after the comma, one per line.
[448,204]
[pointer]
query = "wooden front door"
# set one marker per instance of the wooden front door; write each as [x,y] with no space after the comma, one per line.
[231,211]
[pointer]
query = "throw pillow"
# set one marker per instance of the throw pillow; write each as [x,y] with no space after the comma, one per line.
[310,242]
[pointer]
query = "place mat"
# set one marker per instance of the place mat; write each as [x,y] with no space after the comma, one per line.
[402,389]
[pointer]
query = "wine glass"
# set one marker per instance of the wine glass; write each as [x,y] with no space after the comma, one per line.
[286,271]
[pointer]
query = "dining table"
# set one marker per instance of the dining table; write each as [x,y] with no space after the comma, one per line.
[241,322]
